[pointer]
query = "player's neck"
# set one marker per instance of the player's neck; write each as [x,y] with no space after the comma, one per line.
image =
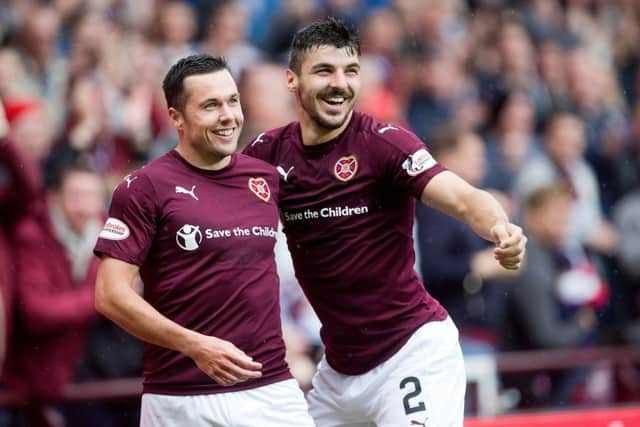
[202,161]
[312,134]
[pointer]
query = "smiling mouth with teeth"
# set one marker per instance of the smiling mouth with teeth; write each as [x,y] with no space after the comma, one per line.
[223,132]
[335,100]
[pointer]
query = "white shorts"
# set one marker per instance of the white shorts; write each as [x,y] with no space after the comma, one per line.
[281,404]
[423,384]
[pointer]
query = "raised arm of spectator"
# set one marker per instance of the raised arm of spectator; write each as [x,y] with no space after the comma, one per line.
[481,211]
[118,300]
[23,183]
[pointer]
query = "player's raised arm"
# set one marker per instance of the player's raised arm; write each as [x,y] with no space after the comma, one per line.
[117,299]
[452,195]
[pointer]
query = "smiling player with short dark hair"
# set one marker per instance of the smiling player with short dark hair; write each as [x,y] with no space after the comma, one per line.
[198,225]
[347,203]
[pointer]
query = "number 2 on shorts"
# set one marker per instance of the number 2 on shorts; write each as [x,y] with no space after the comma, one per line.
[417,389]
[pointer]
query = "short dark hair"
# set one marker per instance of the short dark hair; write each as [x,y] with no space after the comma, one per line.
[173,83]
[330,32]
[63,162]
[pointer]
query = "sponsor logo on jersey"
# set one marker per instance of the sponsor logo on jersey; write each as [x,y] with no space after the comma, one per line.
[418,162]
[114,229]
[345,168]
[260,188]
[189,237]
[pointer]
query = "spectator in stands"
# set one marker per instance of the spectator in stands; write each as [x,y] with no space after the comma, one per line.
[45,65]
[511,141]
[19,187]
[444,92]
[226,35]
[562,160]
[545,320]
[177,30]
[55,273]
[265,105]
[598,101]
[555,301]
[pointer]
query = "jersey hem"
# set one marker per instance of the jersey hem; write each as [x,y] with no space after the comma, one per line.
[180,390]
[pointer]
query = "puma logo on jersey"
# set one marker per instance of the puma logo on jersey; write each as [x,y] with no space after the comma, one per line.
[258,139]
[130,180]
[284,174]
[386,128]
[182,190]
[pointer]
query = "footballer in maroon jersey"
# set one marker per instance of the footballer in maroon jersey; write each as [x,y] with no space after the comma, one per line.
[198,226]
[348,188]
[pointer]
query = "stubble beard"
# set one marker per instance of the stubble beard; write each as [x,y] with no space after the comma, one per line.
[316,116]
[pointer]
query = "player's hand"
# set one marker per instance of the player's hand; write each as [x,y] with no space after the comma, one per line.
[224,362]
[510,245]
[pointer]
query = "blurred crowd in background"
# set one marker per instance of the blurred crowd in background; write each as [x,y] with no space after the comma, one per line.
[534,100]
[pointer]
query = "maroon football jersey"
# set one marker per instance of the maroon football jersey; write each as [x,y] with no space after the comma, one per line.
[347,208]
[204,243]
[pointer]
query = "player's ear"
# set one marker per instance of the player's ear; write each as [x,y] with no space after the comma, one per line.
[292,80]
[176,117]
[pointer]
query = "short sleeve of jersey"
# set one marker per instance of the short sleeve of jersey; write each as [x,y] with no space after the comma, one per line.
[407,162]
[130,229]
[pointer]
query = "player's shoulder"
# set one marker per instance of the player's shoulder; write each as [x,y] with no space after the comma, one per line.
[143,181]
[255,165]
[155,171]
[386,135]
[273,136]
[267,143]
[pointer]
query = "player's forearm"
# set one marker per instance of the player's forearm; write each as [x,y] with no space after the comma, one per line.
[120,303]
[453,196]
[481,212]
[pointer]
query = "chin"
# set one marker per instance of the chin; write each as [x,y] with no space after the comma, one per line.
[331,122]
[231,149]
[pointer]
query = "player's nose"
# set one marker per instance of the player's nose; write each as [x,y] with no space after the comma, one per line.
[226,113]
[339,80]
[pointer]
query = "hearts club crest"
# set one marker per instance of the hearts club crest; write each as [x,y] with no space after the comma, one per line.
[260,188]
[345,168]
